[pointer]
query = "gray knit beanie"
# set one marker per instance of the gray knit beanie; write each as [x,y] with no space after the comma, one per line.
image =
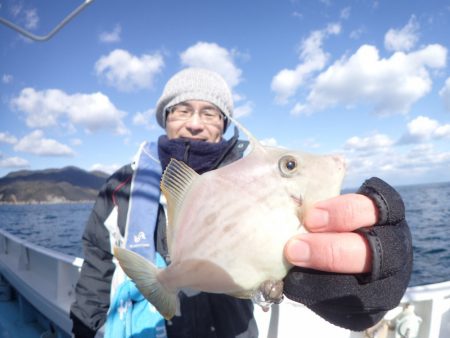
[195,84]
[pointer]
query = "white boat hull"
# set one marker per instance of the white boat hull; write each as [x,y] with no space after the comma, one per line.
[45,278]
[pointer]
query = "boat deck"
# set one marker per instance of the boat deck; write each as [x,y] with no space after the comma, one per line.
[19,319]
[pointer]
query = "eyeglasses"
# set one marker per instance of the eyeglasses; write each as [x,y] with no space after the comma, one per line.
[208,115]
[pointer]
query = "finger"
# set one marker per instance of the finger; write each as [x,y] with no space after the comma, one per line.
[341,214]
[332,252]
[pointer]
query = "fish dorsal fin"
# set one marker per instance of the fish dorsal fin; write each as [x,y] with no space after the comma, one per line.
[247,133]
[175,182]
[254,143]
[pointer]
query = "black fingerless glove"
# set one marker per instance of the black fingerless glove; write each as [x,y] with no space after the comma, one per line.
[357,302]
[390,238]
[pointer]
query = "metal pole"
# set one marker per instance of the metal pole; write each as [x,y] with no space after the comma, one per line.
[54,31]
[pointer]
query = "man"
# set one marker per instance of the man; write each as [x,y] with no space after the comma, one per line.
[352,267]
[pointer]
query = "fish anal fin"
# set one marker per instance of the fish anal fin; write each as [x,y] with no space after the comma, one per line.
[143,273]
[175,183]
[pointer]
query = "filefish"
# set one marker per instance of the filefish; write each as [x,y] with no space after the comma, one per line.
[227,228]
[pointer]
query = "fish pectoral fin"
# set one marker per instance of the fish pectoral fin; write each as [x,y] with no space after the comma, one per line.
[175,182]
[144,275]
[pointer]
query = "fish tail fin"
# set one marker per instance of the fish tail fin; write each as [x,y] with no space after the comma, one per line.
[144,274]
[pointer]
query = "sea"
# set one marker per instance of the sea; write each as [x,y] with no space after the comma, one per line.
[60,227]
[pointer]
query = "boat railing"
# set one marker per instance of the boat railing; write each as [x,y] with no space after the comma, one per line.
[427,292]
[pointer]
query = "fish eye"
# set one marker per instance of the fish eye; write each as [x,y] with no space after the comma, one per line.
[288,165]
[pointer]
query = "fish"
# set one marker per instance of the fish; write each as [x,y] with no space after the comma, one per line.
[227,228]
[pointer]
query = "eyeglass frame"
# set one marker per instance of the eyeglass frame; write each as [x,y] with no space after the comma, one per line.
[221,116]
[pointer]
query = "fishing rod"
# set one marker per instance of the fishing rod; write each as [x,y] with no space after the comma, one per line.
[54,31]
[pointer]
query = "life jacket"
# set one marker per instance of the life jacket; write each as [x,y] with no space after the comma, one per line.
[130,314]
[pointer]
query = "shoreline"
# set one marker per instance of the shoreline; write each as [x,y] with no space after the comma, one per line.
[46,202]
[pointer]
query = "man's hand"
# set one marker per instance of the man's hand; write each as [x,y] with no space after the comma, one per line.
[331,244]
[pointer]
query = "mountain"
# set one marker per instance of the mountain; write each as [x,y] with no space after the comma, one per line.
[69,184]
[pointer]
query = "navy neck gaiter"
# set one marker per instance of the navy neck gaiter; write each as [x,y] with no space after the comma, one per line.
[199,155]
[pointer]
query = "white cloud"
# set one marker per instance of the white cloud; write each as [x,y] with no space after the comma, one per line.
[127,72]
[356,33]
[311,143]
[27,16]
[7,138]
[423,129]
[403,39]
[423,157]
[214,57]
[443,131]
[345,13]
[13,162]
[7,78]
[391,85]
[414,154]
[244,109]
[270,142]
[48,107]
[391,164]
[145,118]
[35,143]
[313,59]
[370,143]
[16,9]
[31,18]
[94,112]
[113,36]
[106,168]
[297,14]
[76,142]
[42,108]
[445,94]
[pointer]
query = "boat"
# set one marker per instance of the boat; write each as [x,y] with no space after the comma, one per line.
[37,287]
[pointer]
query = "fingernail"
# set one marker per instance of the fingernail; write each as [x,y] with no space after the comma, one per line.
[317,218]
[298,252]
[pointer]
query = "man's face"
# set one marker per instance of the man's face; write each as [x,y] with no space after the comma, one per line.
[195,120]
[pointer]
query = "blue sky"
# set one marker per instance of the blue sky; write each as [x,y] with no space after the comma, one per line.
[367,79]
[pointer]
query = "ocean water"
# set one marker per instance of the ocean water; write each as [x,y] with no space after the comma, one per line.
[60,226]
[428,215]
[54,226]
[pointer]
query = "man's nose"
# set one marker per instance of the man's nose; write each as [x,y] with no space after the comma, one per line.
[195,122]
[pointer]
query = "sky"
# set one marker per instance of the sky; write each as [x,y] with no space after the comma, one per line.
[369,80]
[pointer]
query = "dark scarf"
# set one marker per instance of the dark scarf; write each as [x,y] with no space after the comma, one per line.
[199,155]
